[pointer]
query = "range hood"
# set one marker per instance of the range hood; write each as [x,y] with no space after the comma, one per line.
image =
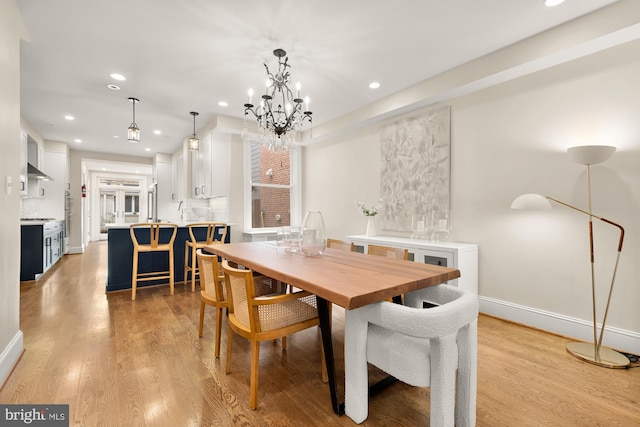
[34,172]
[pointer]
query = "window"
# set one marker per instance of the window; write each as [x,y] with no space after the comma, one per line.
[272,191]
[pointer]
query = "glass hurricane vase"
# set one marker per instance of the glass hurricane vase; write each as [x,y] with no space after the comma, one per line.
[313,234]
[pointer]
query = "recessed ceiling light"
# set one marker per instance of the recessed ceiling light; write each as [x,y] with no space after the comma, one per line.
[157,131]
[116,76]
[551,3]
[223,104]
[69,117]
[374,85]
[113,87]
[116,136]
[78,140]
[147,149]
[104,169]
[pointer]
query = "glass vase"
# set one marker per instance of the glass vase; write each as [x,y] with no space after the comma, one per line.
[313,234]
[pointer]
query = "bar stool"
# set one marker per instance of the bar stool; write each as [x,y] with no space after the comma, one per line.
[196,233]
[156,243]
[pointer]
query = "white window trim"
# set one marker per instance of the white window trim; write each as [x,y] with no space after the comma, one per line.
[296,177]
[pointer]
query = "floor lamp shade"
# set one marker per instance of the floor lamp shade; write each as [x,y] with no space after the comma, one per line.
[531,201]
[591,154]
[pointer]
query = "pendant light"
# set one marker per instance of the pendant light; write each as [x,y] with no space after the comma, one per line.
[133,134]
[194,142]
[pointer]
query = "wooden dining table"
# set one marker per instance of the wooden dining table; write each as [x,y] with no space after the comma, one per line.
[348,279]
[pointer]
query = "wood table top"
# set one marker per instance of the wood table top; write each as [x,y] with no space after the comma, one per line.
[348,279]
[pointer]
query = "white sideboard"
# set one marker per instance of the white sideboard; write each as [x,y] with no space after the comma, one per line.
[463,256]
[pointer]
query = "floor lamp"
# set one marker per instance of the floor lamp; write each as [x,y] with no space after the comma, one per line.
[590,352]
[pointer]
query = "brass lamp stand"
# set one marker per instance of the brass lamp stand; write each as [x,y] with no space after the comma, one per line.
[594,352]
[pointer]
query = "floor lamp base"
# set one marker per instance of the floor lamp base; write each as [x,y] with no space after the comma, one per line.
[609,358]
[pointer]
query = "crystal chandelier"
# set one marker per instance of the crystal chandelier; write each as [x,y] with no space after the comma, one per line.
[280,114]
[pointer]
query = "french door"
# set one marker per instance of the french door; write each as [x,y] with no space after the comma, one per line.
[119,204]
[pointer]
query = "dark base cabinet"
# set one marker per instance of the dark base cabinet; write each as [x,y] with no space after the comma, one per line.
[40,248]
[120,257]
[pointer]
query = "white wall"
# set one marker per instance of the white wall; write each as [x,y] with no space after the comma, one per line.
[511,139]
[11,342]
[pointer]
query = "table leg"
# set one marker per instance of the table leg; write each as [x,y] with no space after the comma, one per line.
[325,328]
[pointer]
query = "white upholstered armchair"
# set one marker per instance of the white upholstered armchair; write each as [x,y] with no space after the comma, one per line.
[422,347]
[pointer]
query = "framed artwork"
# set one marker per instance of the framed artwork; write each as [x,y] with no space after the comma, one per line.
[415,171]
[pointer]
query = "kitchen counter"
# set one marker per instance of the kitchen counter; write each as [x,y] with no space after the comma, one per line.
[120,257]
[41,243]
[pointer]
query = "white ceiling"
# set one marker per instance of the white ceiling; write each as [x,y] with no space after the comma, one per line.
[182,56]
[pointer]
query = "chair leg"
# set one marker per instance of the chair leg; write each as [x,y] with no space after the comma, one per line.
[201,318]
[218,329]
[171,272]
[229,344]
[194,269]
[253,382]
[134,276]
[186,263]
[284,343]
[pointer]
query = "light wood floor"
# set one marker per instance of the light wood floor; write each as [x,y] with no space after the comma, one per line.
[119,362]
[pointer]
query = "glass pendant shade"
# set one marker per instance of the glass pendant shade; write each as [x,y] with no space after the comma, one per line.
[313,234]
[194,142]
[133,133]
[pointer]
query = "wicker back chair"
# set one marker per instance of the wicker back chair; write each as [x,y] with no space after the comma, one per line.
[260,318]
[213,291]
[340,244]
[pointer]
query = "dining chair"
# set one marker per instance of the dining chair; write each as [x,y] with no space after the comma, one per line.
[157,241]
[213,292]
[262,318]
[424,347]
[340,244]
[201,234]
[388,251]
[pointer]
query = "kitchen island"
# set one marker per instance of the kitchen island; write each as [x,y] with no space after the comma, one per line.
[120,257]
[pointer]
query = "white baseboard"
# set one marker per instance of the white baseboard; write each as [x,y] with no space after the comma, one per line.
[76,250]
[619,339]
[10,356]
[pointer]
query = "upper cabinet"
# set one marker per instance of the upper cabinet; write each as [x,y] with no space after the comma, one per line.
[210,167]
[163,176]
[178,181]
[201,169]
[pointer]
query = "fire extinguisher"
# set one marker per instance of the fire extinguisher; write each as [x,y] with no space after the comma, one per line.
[84,190]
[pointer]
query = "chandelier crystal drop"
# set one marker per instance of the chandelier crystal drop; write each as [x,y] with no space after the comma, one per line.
[133,133]
[194,142]
[281,112]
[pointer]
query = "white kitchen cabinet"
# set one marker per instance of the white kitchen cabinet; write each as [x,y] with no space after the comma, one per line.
[163,175]
[201,169]
[52,204]
[463,256]
[210,166]
[177,164]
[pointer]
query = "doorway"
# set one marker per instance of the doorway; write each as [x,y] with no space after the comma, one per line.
[118,203]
